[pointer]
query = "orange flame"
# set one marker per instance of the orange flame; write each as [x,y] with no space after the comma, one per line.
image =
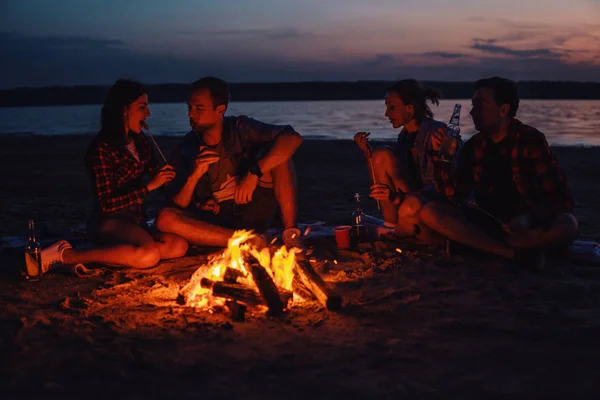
[280,266]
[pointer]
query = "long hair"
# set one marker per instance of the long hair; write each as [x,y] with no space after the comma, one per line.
[414,93]
[121,94]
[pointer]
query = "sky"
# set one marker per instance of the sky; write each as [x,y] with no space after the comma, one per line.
[77,42]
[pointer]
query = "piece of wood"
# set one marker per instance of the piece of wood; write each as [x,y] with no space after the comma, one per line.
[237,310]
[300,289]
[242,293]
[233,291]
[231,275]
[267,288]
[313,281]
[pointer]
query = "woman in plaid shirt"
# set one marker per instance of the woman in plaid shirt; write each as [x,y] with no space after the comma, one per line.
[118,160]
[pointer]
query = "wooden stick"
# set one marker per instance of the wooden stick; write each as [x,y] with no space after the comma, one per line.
[313,281]
[241,293]
[373,178]
[265,285]
[233,291]
[145,126]
[231,275]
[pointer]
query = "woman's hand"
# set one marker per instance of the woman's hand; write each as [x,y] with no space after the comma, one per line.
[362,139]
[164,175]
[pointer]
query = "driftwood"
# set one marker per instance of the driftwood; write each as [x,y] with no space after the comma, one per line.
[313,281]
[242,293]
[233,291]
[237,310]
[265,285]
[300,289]
[231,275]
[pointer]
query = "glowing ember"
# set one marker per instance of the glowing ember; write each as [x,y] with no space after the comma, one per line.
[280,265]
[399,250]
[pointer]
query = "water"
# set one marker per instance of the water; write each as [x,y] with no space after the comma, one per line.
[565,122]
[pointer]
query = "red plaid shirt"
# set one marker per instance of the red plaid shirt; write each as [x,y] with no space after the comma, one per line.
[535,171]
[117,177]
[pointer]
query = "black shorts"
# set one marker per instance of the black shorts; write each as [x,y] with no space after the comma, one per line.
[128,215]
[256,215]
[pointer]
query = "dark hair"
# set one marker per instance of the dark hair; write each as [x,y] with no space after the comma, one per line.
[218,89]
[505,92]
[414,93]
[120,95]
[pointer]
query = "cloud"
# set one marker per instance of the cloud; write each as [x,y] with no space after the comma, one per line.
[444,54]
[485,46]
[51,60]
[379,60]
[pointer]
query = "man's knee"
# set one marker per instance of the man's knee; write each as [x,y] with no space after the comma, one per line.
[568,226]
[166,218]
[411,206]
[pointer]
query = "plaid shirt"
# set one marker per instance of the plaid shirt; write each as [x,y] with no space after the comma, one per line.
[535,171]
[117,177]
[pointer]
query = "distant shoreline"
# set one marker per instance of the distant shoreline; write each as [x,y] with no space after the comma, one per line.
[289,91]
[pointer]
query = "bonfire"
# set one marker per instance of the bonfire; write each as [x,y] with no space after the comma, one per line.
[249,273]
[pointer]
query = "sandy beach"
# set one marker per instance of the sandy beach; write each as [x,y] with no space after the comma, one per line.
[414,324]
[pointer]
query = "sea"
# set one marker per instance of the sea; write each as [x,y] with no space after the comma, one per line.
[564,122]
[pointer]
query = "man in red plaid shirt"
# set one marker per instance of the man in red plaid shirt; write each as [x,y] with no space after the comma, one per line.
[517,196]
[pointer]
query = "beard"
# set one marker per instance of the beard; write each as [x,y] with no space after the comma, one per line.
[200,128]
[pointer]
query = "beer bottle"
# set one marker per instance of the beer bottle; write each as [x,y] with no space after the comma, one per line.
[33,255]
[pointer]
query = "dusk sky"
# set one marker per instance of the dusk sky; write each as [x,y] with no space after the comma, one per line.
[61,42]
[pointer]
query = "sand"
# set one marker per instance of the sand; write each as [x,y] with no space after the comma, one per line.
[414,324]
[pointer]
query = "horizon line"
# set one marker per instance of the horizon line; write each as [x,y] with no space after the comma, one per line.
[298,82]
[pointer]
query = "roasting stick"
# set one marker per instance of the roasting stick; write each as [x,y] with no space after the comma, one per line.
[372,170]
[475,206]
[145,126]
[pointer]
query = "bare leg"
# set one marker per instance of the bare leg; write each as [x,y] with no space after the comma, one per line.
[170,246]
[561,233]
[408,216]
[138,249]
[409,221]
[176,221]
[449,221]
[387,172]
[286,192]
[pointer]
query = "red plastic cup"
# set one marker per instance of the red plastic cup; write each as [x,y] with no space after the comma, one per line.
[342,236]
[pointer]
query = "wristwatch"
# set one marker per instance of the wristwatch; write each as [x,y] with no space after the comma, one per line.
[255,169]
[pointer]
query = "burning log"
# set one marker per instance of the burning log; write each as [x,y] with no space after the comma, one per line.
[237,310]
[265,285]
[241,293]
[313,281]
[231,275]
[233,291]
[299,289]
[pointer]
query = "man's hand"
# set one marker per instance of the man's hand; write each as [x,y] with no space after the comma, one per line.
[438,137]
[204,159]
[362,139]
[245,189]
[518,224]
[210,205]
[164,175]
